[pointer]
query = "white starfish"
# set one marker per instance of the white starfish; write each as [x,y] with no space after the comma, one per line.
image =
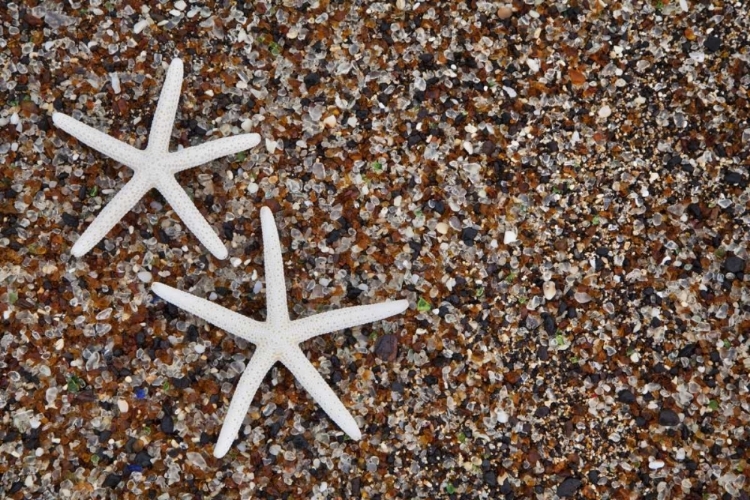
[154,167]
[278,338]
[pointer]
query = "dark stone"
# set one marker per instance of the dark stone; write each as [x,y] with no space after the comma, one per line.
[688,351]
[568,487]
[167,424]
[488,147]
[468,235]
[541,412]
[668,418]
[386,347]
[490,478]
[625,396]
[143,459]
[734,264]
[112,481]
[70,219]
[311,79]
[736,178]
[712,43]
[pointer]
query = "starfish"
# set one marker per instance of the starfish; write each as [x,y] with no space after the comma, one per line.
[278,338]
[154,167]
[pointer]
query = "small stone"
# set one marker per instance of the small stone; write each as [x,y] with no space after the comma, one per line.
[123,405]
[468,147]
[468,235]
[167,424]
[401,4]
[247,125]
[568,487]
[735,178]
[656,464]
[712,43]
[197,460]
[112,480]
[549,290]
[490,478]
[668,418]
[626,396]
[180,5]
[270,146]
[441,227]
[311,79]
[510,237]
[69,219]
[145,276]
[386,347]
[140,26]
[330,121]
[488,147]
[734,264]
[504,12]
[605,112]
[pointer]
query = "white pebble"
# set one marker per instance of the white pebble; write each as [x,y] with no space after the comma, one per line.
[123,405]
[605,112]
[145,276]
[549,290]
[656,464]
[200,348]
[468,147]
[180,5]
[140,26]
[442,228]
[400,4]
[14,119]
[510,237]
[115,82]
[330,121]
[252,188]
[247,125]
[270,146]
[503,417]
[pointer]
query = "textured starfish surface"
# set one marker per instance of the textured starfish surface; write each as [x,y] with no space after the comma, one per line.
[154,167]
[278,338]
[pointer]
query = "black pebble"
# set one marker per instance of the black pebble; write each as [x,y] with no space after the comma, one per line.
[143,459]
[167,424]
[712,43]
[490,478]
[568,487]
[112,481]
[668,418]
[735,178]
[70,219]
[625,396]
[734,264]
[311,79]
[468,235]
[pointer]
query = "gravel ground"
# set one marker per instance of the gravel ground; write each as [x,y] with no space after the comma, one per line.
[559,188]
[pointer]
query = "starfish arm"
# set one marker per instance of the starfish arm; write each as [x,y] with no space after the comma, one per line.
[276,305]
[166,109]
[251,378]
[221,317]
[105,144]
[112,213]
[313,382]
[191,216]
[339,319]
[209,151]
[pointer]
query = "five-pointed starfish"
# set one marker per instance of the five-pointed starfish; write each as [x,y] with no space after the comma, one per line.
[154,167]
[277,338]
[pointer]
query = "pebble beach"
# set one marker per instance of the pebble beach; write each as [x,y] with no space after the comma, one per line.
[560,189]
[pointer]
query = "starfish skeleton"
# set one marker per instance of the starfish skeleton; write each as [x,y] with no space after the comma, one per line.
[154,167]
[278,338]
